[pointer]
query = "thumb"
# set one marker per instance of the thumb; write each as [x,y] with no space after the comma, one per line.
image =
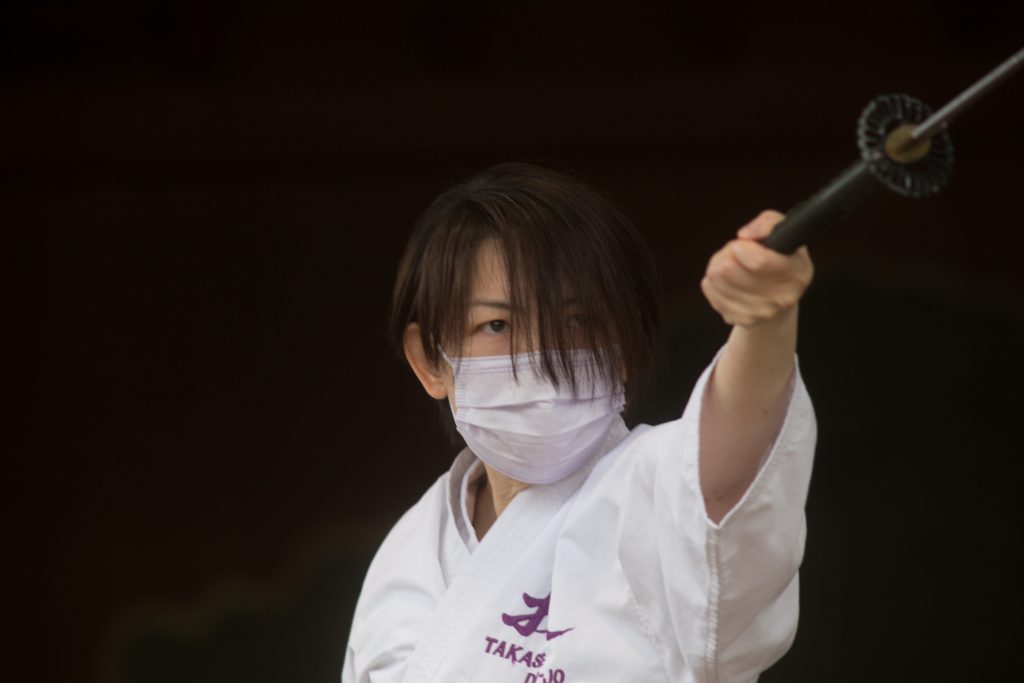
[760,227]
[750,254]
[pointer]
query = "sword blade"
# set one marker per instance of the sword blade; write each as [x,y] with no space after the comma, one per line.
[940,119]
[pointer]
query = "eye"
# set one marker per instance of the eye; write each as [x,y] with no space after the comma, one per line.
[495,327]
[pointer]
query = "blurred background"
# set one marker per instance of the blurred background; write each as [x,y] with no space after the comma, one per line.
[206,202]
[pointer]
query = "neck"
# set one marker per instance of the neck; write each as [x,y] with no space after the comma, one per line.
[503,488]
[494,496]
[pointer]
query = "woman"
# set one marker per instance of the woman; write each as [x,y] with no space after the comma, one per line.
[561,545]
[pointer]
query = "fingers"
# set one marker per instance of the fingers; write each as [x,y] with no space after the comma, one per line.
[741,305]
[752,255]
[761,226]
[736,306]
[756,258]
[748,283]
[762,263]
[734,292]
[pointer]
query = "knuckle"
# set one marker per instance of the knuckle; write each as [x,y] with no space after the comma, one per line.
[714,268]
[786,303]
[807,276]
[712,296]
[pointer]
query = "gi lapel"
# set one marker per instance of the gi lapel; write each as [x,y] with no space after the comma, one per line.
[518,526]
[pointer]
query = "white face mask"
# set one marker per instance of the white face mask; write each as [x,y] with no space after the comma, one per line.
[528,429]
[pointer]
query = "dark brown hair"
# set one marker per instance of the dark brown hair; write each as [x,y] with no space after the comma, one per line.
[561,241]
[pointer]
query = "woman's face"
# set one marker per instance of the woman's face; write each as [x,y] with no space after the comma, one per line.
[491,324]
[489,321]
[488,329]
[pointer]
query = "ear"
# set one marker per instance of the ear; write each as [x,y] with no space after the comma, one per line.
[432,379]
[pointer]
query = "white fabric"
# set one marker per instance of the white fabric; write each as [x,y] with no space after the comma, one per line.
[642,585]
[467,498]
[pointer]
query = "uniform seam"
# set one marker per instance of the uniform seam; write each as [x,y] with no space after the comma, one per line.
[712,607]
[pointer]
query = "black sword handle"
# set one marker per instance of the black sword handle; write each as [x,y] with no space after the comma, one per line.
[829,205]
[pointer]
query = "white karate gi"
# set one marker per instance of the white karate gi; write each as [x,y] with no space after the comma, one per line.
[638,584]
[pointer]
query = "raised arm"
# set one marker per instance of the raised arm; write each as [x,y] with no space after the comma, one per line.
[756,290]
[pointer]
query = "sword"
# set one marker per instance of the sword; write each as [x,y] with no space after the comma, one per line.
[904,148]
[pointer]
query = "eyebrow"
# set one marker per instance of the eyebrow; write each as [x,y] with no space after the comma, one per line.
[491,304]
[496,303]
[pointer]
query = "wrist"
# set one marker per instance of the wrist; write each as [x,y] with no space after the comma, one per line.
[781,320]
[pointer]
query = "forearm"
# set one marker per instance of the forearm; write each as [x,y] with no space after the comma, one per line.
[756,290]
[744,406]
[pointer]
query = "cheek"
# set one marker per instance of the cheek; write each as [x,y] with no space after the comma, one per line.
[483,344]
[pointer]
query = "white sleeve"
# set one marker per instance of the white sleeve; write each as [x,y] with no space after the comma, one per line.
[348,669]
[721,599]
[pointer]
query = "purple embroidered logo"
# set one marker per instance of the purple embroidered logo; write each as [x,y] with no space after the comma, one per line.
[528,624]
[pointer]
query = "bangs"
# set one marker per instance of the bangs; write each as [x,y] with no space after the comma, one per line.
[575,266]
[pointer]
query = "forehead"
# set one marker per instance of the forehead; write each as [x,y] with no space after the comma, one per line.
[490,277]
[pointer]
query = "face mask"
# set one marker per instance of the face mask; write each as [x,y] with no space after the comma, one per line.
[528,429]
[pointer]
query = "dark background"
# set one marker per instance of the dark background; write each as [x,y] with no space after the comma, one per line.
[206,203]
